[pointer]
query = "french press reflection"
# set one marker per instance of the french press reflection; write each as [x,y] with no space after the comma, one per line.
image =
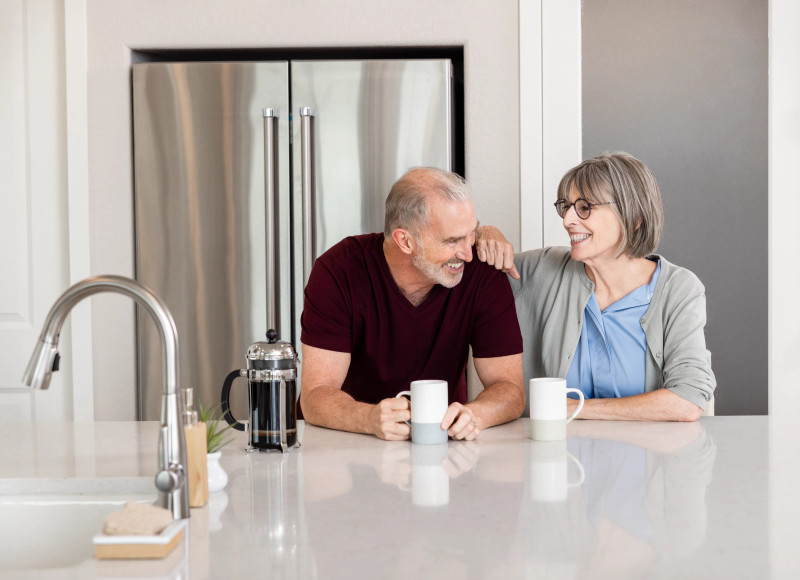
[271,375]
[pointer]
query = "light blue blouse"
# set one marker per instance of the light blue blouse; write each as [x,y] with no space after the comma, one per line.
[610,358]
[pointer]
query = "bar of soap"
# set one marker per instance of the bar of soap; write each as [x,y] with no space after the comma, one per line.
[137,519]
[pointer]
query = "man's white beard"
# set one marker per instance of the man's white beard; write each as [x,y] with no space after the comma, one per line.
[435,272]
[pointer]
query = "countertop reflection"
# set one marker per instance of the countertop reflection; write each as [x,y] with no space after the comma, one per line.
[615,500]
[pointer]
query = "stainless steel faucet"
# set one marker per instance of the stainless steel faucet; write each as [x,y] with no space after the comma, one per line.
[171,480]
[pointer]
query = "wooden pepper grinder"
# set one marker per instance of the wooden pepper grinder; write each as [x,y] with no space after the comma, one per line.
[196,452]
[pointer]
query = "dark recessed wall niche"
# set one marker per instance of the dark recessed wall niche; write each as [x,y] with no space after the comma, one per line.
[682,85]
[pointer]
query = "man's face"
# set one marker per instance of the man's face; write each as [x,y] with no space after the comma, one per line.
[444,246]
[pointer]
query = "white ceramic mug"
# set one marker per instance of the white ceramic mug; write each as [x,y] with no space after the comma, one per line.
[548,408]
[428,407]
[550,471]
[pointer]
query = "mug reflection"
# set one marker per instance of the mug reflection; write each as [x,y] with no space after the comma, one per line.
[550,471]
[430,483]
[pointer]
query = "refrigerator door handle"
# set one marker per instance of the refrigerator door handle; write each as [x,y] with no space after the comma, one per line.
[309,189]
[271,191]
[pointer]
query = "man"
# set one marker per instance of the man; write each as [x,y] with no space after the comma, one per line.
[382,310]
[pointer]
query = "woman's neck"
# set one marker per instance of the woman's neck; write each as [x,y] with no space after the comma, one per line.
[617,278]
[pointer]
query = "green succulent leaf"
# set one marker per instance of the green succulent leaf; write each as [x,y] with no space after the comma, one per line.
[216,433]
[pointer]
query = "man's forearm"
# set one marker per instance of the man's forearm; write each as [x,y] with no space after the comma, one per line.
[498,403]
[333,408]
[659,405]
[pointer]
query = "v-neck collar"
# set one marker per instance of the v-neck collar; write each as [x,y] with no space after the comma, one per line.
[398,294]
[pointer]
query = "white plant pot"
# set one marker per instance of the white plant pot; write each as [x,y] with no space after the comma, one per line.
[217,478]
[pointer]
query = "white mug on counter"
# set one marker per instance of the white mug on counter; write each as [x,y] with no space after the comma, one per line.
[548,408]
[428,407]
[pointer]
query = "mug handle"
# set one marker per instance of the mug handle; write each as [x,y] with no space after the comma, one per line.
[580,405]
[398,395]
[226,401]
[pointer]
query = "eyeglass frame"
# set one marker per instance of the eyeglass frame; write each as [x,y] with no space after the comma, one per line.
[577,213]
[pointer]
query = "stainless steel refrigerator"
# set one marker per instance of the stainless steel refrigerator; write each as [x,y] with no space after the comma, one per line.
[245,172]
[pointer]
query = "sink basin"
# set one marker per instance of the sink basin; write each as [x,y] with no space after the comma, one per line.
[54,531]
[58,484]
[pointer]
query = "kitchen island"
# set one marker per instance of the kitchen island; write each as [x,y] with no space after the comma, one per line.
[616,500]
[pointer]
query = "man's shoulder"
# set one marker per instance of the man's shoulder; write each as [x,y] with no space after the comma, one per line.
[477,272]
[482,282]
[351,251]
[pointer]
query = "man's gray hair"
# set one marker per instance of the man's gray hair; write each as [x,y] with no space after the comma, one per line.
[407,205]
[623,179]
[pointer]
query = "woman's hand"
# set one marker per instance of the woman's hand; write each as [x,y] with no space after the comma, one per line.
[494,249]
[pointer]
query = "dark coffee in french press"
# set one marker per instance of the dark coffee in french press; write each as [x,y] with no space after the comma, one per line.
[272,392]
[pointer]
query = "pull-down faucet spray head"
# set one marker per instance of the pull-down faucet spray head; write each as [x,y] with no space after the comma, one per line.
[43,362]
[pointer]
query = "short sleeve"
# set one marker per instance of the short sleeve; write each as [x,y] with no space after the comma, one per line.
[326,318]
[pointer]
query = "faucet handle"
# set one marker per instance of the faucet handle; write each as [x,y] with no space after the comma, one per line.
[170,478]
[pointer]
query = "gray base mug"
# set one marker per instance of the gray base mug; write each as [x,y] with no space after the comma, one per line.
[428,408]
[548,408]
[548,429]
[428,433]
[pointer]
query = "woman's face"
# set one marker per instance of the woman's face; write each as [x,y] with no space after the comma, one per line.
[596,239]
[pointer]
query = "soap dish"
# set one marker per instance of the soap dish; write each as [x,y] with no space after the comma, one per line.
[139,547]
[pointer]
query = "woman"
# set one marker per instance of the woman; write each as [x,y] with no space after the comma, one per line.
[620,323]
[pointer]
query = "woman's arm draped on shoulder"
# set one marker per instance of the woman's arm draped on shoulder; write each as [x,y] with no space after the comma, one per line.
[493,248]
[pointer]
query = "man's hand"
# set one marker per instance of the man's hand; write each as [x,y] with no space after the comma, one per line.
[460,422]
[461,458]
[494,249]
[387,419]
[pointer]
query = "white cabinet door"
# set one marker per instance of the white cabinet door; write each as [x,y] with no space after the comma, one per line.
[33,237]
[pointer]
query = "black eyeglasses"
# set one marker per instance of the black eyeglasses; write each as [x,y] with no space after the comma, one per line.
[582,207]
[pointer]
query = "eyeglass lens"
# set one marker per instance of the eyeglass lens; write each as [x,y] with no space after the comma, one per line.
[582,208]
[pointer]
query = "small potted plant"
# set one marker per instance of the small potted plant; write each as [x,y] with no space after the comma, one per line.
[216,439]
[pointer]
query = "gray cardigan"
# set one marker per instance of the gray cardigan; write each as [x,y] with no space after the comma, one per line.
[553,291]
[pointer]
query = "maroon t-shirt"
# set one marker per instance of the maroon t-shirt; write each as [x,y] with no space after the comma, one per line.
[353,305]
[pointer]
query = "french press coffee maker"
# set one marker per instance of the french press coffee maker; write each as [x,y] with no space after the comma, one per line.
[272,393]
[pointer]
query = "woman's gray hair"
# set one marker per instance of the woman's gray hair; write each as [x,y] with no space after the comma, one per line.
[623,179]
[406,205]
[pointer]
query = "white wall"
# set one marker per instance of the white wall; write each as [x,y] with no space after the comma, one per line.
[550,113]
[784,332]
[784,192]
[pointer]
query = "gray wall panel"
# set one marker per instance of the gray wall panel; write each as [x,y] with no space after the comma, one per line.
[682,85]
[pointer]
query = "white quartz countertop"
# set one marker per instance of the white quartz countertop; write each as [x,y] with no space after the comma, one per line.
[616,500]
